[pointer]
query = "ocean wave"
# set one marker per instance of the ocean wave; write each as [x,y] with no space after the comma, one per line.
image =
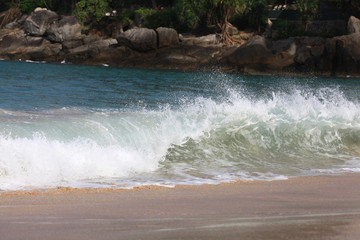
[201,141]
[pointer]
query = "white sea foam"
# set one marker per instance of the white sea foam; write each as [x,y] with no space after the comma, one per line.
[204,141]
[30,61]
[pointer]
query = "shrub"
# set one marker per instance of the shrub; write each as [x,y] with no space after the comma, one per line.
[239,20]
[145,11]
[164,18]
[27,6]
[91,10]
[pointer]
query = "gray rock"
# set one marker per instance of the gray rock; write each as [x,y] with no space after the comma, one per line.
[260,55]
[167,37]
[38,22]
[34,41]
[16,40]
[94,47]
[317,51]
[302,57]
[353,25]
[204,41]
[12,26]
[91,38]
[287,45]
[140,39]
[64,30]
[72,44]
[105,43]
[12,40]
[255,51]
[47,51]
[343,54]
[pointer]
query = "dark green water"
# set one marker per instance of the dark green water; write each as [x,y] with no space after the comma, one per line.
[63,125]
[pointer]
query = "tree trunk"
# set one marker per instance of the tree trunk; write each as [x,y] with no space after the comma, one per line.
[224,26]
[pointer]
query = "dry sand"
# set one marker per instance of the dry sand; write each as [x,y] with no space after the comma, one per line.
[326,207]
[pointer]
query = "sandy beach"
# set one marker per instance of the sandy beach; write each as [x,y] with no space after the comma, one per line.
[322,207]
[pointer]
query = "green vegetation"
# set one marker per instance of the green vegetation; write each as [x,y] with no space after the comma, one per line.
[27,6]
[164,18]
[308,9]
[183,15]
[91,10]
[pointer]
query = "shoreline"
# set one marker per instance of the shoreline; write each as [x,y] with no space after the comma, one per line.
[318,207]
[59,190]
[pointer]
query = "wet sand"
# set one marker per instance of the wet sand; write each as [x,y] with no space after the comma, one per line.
[326,207]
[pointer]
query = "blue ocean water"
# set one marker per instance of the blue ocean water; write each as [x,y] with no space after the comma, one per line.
[86,126]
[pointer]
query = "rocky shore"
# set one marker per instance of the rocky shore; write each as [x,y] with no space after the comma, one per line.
[47,36]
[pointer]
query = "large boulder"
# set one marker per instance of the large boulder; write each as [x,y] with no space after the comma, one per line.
[46,52]
[261,55]
[167,37]
[140,39]
[342,55]
[90,53]
[353,25]
[39,22]
[16,40]
[309,50]
[12,40]
[66,29]
[254,52]
[18,45]
[94,46]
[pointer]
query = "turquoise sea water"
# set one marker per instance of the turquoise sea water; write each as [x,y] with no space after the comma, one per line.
[80,126]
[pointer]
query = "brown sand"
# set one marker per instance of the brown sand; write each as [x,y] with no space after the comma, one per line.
[326,207]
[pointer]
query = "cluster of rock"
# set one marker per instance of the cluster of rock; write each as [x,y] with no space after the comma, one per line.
[47,36]
[314,55]
[44,35]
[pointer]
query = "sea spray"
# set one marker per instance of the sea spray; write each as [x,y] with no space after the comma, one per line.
[173,128]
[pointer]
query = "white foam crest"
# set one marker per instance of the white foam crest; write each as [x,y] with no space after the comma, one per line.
[90,147]
[44,163]
[327,105]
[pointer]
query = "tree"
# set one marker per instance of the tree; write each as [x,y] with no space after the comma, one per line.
[308,9]
[196,13]
[192,14]
[225,9]
[255,10]
[91,10]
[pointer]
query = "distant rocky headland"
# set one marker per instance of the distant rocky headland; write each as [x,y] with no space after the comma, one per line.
[46,36]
